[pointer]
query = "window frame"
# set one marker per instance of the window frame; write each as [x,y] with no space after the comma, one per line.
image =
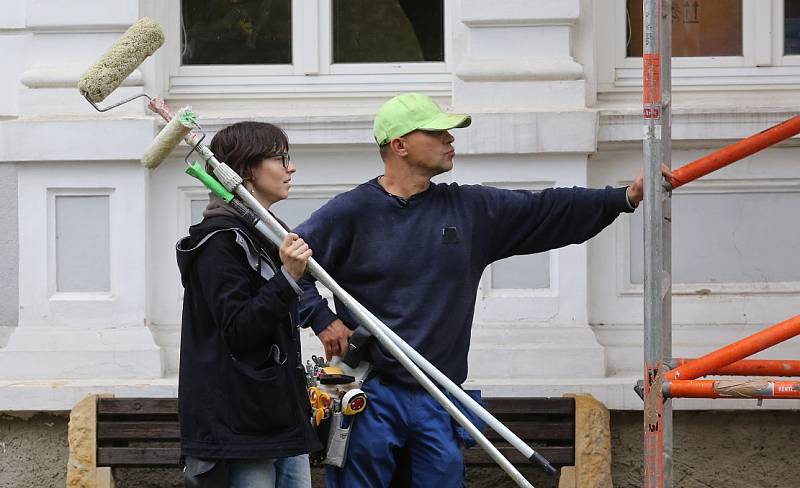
[762,61]
[311,72]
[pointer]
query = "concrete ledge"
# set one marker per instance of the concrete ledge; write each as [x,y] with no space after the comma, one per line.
[62,395]
[616,393]
[75,139]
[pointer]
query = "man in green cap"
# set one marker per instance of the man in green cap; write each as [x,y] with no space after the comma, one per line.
[412,252]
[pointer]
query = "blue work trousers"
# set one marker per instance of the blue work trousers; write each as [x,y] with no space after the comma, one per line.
[398,416]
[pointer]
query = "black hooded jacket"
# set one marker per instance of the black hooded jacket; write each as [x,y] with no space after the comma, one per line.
[241,391]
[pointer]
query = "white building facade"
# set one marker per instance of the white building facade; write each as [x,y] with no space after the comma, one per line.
[90,297]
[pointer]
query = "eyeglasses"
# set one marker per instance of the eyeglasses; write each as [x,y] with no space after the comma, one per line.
[285,158]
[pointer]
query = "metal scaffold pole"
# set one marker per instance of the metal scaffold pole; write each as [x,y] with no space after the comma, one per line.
[656,65]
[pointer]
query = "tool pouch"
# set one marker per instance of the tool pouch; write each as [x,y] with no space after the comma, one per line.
[358,346]
[338,439]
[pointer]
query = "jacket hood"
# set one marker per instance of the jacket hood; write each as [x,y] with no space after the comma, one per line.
[187,248]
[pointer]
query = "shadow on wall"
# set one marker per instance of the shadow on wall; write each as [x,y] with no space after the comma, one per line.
[9,253]
[5,334]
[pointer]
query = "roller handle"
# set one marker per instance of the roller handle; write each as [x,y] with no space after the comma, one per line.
[159,106]
[544,463]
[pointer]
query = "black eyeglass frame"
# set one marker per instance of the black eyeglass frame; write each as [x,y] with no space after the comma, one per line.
[285,158]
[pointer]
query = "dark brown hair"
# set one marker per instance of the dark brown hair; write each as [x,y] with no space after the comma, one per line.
[244,145]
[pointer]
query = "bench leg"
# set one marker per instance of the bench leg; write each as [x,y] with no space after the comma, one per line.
[592,444]
[105,479]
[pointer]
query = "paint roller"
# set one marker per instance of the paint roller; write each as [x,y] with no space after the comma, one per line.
[141,40]
[168,139]
[137,43]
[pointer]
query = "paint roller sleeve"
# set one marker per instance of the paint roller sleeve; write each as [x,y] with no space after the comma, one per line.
[140,41]
[169,138]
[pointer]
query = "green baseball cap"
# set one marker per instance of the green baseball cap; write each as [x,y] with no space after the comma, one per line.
[411,111]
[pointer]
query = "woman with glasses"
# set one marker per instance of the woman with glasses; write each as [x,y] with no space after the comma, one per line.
[243,405]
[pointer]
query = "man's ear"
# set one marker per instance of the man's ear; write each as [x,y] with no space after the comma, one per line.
[398,146]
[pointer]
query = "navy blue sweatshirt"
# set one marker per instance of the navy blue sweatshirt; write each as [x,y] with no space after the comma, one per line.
[416,263]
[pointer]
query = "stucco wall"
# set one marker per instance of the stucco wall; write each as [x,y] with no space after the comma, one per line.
[33,451]
[734,449]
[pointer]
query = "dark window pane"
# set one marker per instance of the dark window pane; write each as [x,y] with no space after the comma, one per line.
[236,32]
[791,27]
[381,31]
[699,28]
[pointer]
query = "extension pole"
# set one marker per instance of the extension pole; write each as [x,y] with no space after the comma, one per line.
[738,350]
[734,152]
[749,367]
[270,228]
[656,66]
[786,390]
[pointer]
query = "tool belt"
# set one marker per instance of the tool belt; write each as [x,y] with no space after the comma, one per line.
[334,391]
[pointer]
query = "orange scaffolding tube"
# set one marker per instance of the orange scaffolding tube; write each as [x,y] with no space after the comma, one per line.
[738,350]
[751,367]
[731,389]
[734,152]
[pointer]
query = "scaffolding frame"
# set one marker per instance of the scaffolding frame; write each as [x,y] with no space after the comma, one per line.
[666,377]
[657,146]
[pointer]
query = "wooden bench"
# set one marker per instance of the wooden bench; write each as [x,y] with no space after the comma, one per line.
[107,433]
[545,424]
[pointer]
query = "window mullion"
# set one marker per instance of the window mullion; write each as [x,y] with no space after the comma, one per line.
[325,29]
[761,31]
[305,37]
[778,32]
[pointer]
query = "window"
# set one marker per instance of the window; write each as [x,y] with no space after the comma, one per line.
[698,28]
[723,44]
[236,32]
[306,47]
[367,31]
[791,28]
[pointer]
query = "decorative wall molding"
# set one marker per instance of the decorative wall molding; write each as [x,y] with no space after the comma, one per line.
[708,187]
[530,132]
[66,76]
[519,13]
[84,15]
[539,68]
[701,124]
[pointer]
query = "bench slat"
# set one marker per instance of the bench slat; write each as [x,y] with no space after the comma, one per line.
[531,406]
[537,430]
[138,430]
[562,456]
[138,456]
[137,406]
